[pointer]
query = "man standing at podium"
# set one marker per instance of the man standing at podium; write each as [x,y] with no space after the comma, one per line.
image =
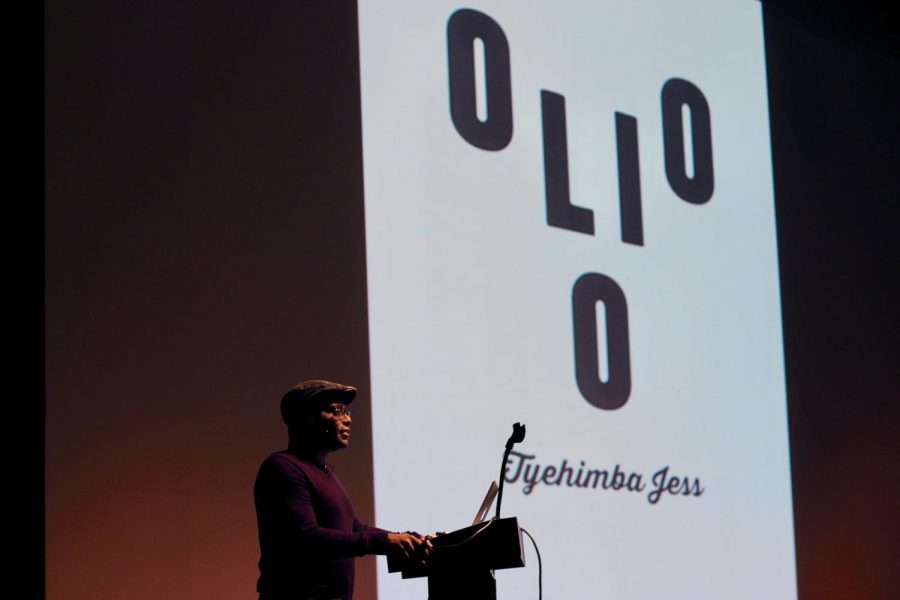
[308,533]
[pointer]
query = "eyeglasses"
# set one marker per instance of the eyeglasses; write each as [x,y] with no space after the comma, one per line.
[338,410]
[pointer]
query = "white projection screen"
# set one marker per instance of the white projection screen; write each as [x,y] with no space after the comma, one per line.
[570,224]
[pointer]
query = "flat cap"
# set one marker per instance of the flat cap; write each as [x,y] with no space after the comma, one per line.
[311,392]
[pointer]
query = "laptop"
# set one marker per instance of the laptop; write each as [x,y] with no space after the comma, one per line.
[481,515]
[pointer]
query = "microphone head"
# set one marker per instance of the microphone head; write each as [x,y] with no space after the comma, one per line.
[518,433]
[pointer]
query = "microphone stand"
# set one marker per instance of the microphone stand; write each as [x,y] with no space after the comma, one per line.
[517,436]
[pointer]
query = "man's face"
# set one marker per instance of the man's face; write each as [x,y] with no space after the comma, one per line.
[336,417]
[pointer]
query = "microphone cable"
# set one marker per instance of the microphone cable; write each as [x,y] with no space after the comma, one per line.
[540,566]
[468,539]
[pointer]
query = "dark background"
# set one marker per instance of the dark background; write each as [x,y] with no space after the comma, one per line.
[833,74]
[204,249]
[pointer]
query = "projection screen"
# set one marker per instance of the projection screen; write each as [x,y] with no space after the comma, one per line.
[570,224]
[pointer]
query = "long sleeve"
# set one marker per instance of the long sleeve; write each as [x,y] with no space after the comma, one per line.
[308,532]
[321,515]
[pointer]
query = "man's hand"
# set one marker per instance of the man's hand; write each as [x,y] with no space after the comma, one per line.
[410,545]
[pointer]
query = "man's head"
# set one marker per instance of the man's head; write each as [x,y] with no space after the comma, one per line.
[316,414]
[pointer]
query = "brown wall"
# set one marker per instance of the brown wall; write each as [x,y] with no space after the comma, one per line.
[205,250]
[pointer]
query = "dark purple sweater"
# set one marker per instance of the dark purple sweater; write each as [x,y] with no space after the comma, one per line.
[308,534]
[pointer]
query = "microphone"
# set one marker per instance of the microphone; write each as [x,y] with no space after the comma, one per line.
[517,436]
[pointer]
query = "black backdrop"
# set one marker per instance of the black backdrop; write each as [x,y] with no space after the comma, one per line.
[834,89]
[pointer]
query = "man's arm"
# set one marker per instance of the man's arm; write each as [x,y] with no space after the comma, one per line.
[408,544]
[334,543]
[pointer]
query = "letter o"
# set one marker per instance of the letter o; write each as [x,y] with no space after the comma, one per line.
[589,289]
[675,94]
[463,27]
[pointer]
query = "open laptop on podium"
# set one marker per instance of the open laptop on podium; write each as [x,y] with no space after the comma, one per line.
[485,545]
[486,503]
[461,563]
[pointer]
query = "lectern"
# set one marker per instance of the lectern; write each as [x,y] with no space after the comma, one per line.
[462,562]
